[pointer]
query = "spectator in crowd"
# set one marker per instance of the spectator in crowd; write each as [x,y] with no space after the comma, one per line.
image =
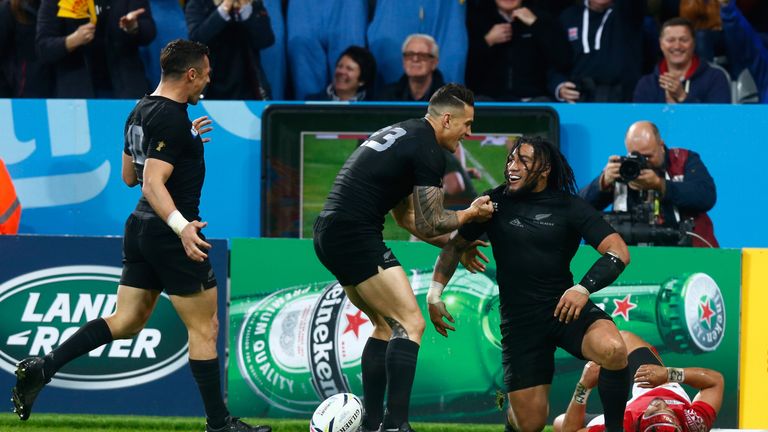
[274,58]
[704,16]
[756,12]
[675,184]
[606,39]
[681,76]
[97,56]
[394,20]
[744,47]
[317,33]
[353,79]
[553,7]
[171,14]
[235,31]
[659,402]
[421,78]
[25,76]
[512,46]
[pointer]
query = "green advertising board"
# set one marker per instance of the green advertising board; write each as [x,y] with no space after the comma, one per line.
[295,339]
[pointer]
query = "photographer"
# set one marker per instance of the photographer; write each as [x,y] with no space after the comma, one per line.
[673,185]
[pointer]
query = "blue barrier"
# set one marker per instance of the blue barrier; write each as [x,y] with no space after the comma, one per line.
[64,156]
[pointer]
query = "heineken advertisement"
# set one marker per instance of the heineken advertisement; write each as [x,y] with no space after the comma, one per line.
[49,288]
[295,338]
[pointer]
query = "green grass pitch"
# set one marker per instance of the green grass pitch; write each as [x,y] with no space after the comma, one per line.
[109,423]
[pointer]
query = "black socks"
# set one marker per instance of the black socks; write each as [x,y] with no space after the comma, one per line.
[401,369]
[374,381]
[90,336]
[613,387]
[206,373]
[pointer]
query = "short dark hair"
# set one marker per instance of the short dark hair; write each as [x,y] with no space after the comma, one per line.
[365,61]
[180,55]
[451,95]
[677,21]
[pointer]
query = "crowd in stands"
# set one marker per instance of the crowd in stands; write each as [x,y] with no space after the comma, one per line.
[663,51]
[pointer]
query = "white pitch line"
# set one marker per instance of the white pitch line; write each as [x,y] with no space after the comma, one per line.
[483,172]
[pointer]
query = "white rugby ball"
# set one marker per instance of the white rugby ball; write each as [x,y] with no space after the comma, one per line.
[342,412]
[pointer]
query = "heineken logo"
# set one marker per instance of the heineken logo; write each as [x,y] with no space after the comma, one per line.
[42,309]
[300,345]
[704,311]
[324,362]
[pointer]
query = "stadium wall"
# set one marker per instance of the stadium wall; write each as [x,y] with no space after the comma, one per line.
[64,156]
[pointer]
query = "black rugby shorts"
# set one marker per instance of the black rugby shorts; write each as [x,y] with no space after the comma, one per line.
[154,258]
[352,251]
[529,340]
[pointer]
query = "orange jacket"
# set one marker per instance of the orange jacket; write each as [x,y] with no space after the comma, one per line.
[10,209]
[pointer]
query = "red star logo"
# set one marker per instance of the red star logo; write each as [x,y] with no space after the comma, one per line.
[354,322]
[706,312]
[623,307]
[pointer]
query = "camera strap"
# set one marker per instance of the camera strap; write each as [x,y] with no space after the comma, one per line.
[620,196]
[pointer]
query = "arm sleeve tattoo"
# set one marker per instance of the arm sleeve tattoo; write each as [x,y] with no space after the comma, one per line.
[431,218]
[449,257]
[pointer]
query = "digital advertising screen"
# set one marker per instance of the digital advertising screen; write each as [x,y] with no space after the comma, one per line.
[304,146]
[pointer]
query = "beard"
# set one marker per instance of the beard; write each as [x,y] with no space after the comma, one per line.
[530,184]
[525,189]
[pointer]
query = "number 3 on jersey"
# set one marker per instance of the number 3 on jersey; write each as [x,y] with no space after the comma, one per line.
[388,135]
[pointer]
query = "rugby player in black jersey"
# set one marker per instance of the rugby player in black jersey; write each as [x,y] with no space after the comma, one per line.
[399,168]
[534,233]
[163,248]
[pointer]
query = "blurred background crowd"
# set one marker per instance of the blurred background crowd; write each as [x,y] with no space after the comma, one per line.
[664,51]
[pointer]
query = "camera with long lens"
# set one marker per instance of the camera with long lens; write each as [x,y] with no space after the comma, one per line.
[637,227]
[630,166]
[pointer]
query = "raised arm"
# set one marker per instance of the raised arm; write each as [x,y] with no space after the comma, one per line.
[710,383]
[577,408]
[432,219]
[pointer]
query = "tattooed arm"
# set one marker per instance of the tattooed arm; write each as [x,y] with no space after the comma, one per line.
[432,219]
[444,268]
[449,259]
[405,217]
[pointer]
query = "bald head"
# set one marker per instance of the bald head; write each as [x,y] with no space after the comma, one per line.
[643,137]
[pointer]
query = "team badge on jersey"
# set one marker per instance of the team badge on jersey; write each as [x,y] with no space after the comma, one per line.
[160,146]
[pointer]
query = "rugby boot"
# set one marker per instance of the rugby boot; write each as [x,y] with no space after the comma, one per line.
[234,424]
[365,424]
[405,427]
[30,379]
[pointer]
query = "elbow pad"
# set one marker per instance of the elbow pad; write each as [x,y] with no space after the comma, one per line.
[603,272]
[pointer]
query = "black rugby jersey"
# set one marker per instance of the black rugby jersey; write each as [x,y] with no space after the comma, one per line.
[534,237]
[384,170]
[160,128]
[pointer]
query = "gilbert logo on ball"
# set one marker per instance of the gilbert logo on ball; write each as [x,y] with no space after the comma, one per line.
[342,412]
[43,308]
